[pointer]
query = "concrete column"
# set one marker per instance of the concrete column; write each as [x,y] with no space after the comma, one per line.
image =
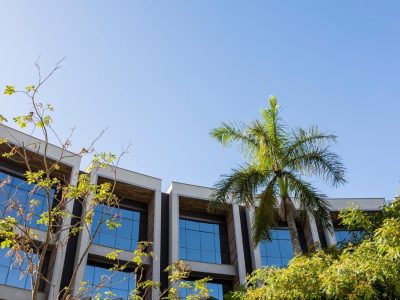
[173,227]
[239,244]
[60,255]
[314,231]
[156,241]
[254,249]
[330,235]
[83,244]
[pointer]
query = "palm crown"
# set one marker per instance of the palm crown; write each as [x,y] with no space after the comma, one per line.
[272,177]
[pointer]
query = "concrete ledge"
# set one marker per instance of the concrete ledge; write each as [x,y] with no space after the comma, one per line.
[13,293]
[212,269]
[102,251]
[41,235]
[37,146]
[189,190]
[129,177]
[367,204]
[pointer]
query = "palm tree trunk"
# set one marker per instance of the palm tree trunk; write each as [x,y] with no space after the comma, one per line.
[292,226]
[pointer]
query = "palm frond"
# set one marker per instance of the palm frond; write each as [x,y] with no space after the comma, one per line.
[319,162]
[267,148]
[239,187]
[301,139]
[272,121]
[228,133]
[264,217]
[310,199]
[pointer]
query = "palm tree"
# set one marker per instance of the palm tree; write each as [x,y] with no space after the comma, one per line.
[277,160]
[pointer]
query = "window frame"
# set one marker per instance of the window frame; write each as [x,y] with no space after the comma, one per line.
[223,253]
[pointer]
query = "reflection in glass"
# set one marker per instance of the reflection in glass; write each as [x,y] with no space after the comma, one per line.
[344,236]
[14,274]
[18,189]
[278,251]
[199,241]
[100,280]
[215,291]
[125,237]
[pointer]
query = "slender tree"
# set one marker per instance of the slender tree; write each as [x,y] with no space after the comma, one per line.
[22,212]
[277,161]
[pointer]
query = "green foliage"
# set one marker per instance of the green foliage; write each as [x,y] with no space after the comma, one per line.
[41,180]
[104,159]
[199,288]
[7,232]
[142,252]
[10,89]
[368,270]
[45,121]
[277,159]
[22,121]
[111,224]
[44,219]
[30,88]
[3,119]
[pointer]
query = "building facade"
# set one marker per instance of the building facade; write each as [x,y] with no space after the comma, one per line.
[177,222]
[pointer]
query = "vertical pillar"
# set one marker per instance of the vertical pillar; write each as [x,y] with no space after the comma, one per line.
[254,249]
[314,231]
[60,254]
[156,241]
[330,235]
[83,244]
[239,244]
[173,227]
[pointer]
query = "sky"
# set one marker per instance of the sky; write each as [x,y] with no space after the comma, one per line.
[161,74]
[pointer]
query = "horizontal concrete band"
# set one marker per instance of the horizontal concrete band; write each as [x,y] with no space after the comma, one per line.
[14,293]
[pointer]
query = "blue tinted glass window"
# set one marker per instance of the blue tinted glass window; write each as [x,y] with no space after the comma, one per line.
[199,241]
[14,274]
[100,280]
[278,251]
[344,236]
[215,291]
[18,191]
[125,237]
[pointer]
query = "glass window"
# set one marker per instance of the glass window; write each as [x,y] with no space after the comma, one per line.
[14,274]
[20,190]
[125,237]
[199,241]
[344,236]
[278,251]
[215,291]
[100,280]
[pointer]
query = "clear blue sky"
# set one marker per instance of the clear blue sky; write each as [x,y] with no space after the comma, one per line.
[164,73]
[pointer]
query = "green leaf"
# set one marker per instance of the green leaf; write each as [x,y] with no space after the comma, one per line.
[3,119]
[30,88]
[113,255]
[10,89]
[113,224]
[6,244]
[20,120]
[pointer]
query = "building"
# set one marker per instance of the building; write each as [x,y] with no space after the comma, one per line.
[177,222]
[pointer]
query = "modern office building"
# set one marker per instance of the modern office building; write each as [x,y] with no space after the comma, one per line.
[177,222]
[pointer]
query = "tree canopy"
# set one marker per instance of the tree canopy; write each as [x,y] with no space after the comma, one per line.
[277,161]
[368,268]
